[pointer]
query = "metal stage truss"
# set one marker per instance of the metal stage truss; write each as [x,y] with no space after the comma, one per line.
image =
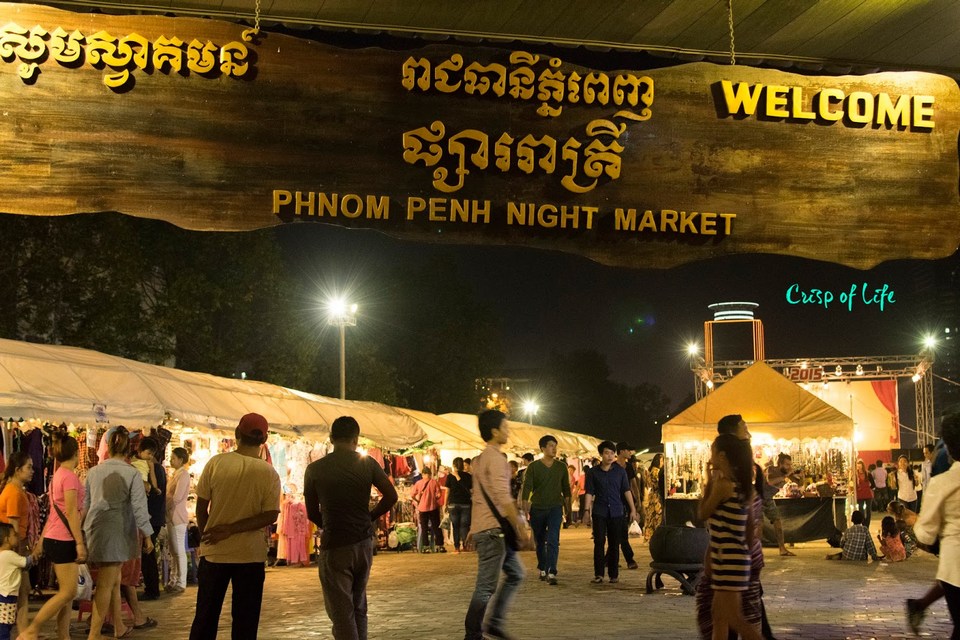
[919,368]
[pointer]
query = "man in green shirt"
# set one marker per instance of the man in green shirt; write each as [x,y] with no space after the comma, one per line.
[546,488]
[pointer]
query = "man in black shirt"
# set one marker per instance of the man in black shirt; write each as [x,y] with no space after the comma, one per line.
[149,450]
[336,490]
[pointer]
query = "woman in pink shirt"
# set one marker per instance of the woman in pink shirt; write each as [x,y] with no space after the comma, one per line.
[178,488]
[426,496]
[62,538]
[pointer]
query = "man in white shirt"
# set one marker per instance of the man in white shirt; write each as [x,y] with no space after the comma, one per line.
[940,518]
[926,471]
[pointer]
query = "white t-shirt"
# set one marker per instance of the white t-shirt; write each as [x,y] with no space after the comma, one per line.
[12,565]
[907,491]
[238,487]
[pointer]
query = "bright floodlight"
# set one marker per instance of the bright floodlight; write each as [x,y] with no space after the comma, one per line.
[929,342]
[693,348]
[530,407]
[337,306]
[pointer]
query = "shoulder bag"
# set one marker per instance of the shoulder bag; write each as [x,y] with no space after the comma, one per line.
[509,533]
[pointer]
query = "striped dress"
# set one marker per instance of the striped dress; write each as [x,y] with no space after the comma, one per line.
[729,554]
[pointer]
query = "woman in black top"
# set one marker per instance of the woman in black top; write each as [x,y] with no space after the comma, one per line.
[458,486]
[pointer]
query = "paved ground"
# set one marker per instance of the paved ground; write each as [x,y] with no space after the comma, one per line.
[424,597]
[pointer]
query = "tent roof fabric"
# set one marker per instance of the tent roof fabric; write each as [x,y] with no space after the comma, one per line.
[768,402]
[58,383]
[525,437]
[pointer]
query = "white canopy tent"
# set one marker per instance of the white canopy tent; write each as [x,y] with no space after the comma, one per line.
[525,437]
[769,403]
[58,383]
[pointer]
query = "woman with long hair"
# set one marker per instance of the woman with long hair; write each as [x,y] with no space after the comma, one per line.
[653,498]
[864,482]
[906,484]
[15,510]
[62,539]
[116,507]
[726,508]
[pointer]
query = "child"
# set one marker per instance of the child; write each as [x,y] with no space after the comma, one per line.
[890,543]
[12,565]
[856,542]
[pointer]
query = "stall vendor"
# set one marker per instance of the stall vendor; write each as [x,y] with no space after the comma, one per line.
[783,472]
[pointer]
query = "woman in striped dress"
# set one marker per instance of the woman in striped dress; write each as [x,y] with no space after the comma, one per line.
[724,506]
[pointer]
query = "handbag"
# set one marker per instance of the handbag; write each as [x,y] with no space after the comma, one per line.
[509,533]
[84,583]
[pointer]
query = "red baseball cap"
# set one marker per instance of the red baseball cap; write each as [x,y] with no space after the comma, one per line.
[254,425]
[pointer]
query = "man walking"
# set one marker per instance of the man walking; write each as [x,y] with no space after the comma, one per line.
[607,493]
[494,514]
[336,489]
[238,496]
[624,452]
[546,489]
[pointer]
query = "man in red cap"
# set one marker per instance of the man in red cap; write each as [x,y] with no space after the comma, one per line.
[238,496]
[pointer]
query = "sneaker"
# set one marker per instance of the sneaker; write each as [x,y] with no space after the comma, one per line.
[614,580]
[551,579]
[597,580]
[543,575]
[914,616]
[633,565]
[496,634]
[441,550]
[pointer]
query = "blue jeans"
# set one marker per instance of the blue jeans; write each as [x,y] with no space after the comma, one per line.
[545,523]
[459,522]
[492,557]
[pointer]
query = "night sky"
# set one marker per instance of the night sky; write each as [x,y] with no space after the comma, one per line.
[641,319]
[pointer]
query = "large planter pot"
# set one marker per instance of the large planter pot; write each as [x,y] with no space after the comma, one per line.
[679,545]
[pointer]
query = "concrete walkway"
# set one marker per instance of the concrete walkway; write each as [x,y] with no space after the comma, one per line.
[424,597]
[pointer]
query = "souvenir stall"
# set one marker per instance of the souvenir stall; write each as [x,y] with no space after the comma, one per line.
[782,418]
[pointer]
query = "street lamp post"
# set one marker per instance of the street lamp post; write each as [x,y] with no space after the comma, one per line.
[342,315]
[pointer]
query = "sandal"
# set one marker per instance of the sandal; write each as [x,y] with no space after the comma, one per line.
[149,623]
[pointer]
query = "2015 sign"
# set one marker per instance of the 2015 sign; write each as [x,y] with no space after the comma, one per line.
[804,374]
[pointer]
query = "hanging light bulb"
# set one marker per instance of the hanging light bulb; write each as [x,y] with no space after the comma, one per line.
[838,371]
[859,369]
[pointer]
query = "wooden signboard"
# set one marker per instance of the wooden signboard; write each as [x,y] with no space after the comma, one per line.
[187,121]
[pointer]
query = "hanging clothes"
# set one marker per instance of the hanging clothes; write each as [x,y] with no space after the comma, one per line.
[32,443]
[296,531]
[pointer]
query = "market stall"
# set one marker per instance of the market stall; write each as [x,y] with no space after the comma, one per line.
[782,418]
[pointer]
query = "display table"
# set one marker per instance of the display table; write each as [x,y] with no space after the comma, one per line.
[804,519]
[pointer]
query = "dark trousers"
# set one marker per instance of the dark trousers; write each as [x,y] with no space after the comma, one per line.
[583,506]
[214,577]
[150,570]
[459,523]
[625,540]
[606,530]
[545,526]
[429,520]
[952,595]
[344,572]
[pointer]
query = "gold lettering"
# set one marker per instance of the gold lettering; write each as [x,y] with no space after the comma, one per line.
[516,214]
[708,224]
[686,222]
[547,216]
[281,198]
[573,217]
[727,222]
[351,205]
[590,211]
[743,100]
[481,211]
[796,105]
[923,112]
[625,220]
[824,98]
[300,203]
[414,206]
[648,221]
[459,210]
[860,107]
[668,218]
[437,206]
[378,208]
[328,205]
[892,114]
[776,101]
